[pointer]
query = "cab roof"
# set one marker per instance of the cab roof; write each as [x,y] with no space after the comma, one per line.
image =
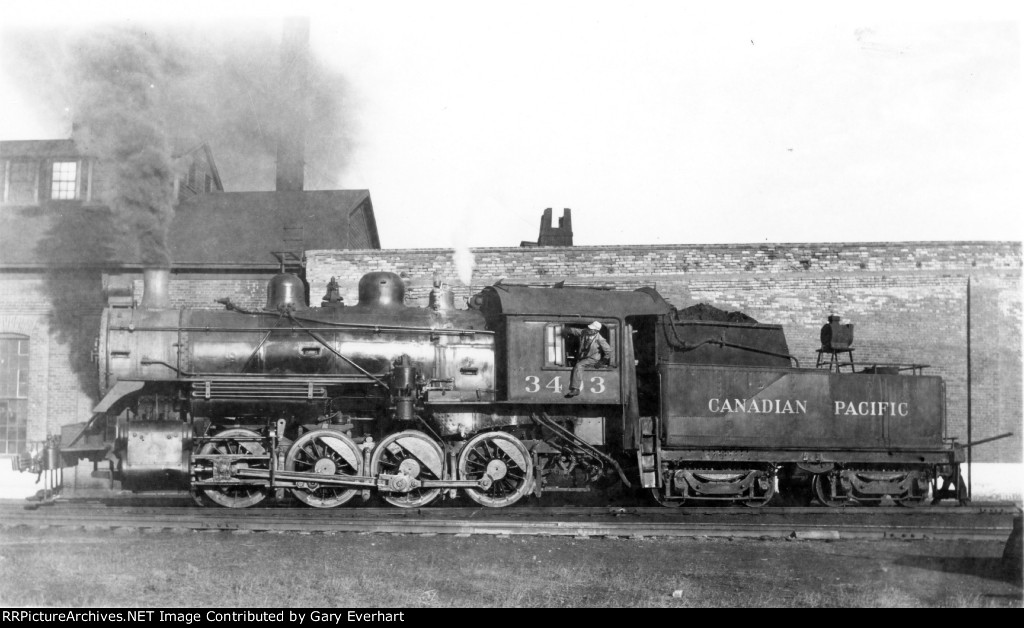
[585,302]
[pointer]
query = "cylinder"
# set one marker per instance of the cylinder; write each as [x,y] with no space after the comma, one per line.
[51,457]
[155,283]
[403,375]
[403,410]
[403,388]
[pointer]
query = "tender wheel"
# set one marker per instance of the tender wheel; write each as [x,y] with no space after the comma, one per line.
[504,460]
[918,495]
[325,452]
[822,485]
[235,442]
[761,495]
[667,503]
[659,494]
[409,455]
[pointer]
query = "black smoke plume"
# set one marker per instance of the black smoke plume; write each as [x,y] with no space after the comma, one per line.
[121,77]
[214,83]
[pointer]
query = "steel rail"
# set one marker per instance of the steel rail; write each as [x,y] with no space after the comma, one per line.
[414,522]
[171,501]
[176,500]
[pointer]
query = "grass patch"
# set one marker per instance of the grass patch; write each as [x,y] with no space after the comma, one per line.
[100,568]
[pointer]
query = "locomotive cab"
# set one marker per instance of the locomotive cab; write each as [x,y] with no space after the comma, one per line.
[534,332]
[542,353]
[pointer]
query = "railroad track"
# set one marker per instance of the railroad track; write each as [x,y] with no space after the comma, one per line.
[978,522]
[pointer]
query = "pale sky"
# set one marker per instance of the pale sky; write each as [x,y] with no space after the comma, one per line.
[656,122]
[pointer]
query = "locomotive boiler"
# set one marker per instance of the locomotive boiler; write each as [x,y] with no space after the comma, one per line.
[414,404]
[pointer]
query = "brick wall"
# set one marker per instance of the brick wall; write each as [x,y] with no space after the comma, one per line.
[60,315]
[908,301]
[201,291]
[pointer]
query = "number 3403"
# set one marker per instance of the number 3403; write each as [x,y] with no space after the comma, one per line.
[555,385]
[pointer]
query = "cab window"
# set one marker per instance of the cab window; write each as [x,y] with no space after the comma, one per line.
[560,350]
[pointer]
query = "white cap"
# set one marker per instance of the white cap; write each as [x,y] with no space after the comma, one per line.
[596,326]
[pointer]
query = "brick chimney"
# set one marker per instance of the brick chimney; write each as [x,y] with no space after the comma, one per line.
[291,138]
[553,236]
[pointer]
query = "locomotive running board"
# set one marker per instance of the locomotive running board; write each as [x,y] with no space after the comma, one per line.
[276,388]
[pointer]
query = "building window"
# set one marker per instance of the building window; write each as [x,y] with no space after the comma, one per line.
[191,180]
[64,183]
[21,182]
[209,184]
[13,393]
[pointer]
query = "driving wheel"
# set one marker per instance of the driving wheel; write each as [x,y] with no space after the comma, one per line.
[328,453]
[408,455]
[503,462]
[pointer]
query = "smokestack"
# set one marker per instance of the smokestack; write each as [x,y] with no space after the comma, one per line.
[291,135]
[155,282]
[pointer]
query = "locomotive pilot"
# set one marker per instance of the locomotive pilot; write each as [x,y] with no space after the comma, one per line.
[592,350]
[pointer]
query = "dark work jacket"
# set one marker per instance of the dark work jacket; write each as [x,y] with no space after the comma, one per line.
[592,345]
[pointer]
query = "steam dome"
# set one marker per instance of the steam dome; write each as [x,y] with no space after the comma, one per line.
[381,288]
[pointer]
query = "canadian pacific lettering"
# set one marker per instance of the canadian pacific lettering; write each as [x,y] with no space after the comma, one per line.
[762,406]
[799,406]
[871,408]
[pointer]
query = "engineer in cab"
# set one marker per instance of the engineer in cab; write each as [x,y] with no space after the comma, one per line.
[591,351]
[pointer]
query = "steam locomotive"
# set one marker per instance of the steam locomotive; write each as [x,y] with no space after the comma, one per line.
[416,404]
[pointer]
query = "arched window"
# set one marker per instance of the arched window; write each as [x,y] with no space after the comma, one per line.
[13,392]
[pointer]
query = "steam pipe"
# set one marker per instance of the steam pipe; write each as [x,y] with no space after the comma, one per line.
[249,330]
